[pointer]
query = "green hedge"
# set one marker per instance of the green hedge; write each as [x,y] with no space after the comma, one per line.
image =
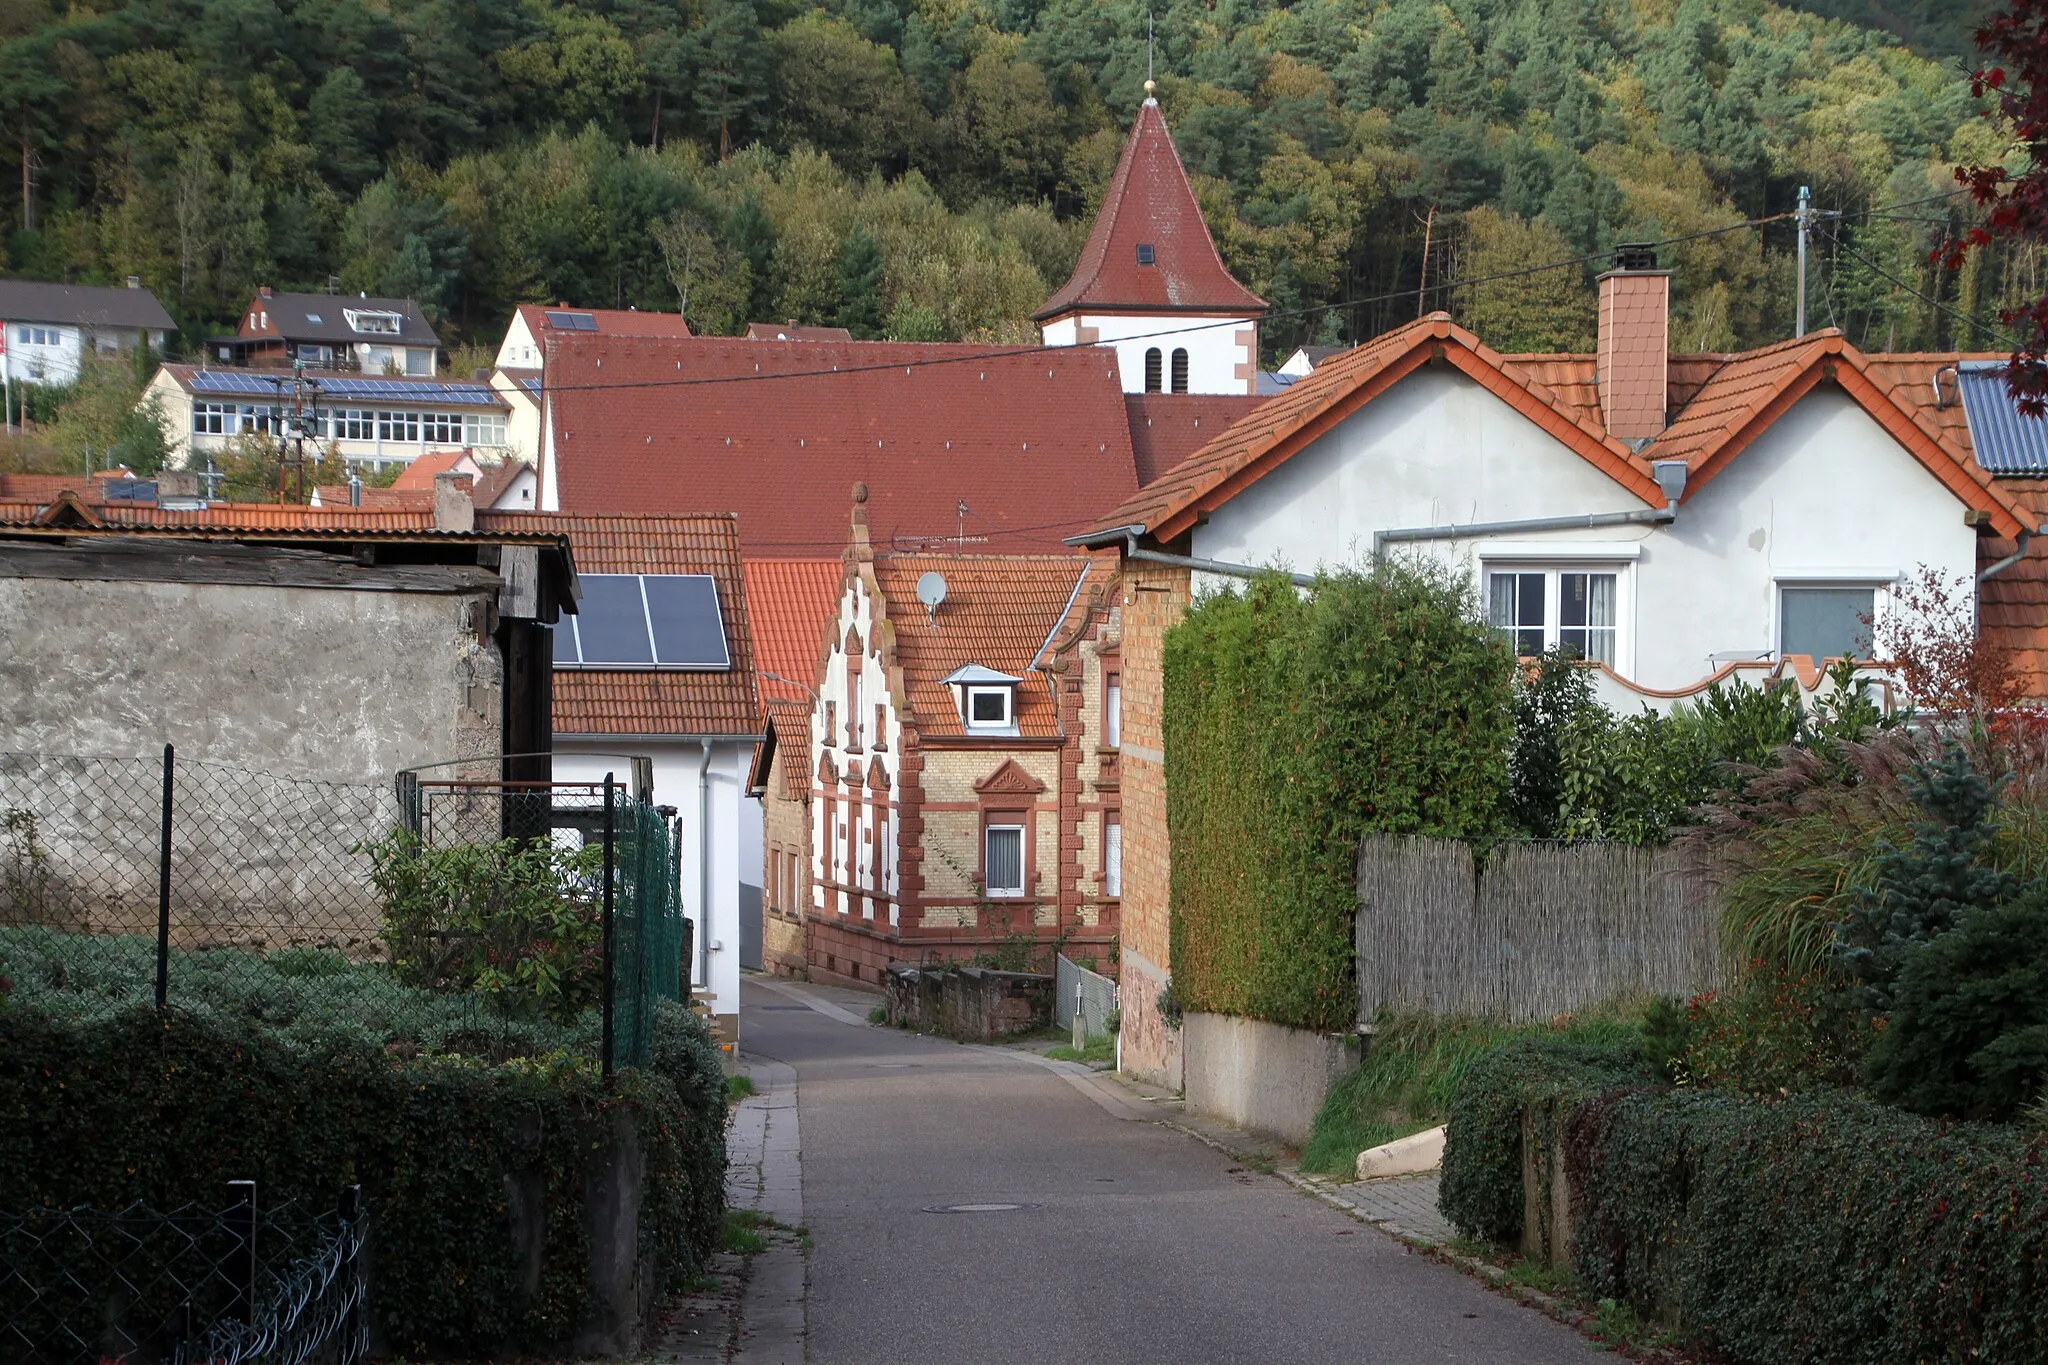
[1294,724]
[125,1105]
[1824,1227]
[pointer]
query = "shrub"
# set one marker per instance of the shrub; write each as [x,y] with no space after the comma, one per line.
[450,1151]
[1294,724]
[1968,1031]
[1923,887]
[520,920]
[1774,1032]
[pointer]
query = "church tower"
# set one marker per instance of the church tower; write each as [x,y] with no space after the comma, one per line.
[1151,284]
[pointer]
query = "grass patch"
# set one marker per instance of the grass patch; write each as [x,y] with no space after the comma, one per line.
[743,1230]
[1099,1050]
[739,1088]
[1412,1067]
[878,1015]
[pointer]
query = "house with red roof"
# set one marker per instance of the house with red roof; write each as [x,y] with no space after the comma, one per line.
[1150,284]
[521,364]
[949,788]
[1675,520]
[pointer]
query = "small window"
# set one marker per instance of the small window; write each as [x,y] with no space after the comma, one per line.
[1152,370]
[1003,860]
[1145,254]
[314,318]
[988,707]
[418,362]
[1112,855]
[1585,616]
[1180,370]
[1826,623]
[1515,607]
[1112,711]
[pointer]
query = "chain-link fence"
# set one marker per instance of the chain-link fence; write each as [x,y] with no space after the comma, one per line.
[491,918]
[222,1286]
[1084,1002]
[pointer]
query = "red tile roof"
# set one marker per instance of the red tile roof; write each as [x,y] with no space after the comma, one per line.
[1034,441]
[791,603]
[2012,605]
[1150,203]
[592,701]
[610,322]
[787,723]
[1288,422]
[335,495]
[421,472]
[999,612]
[1166,428]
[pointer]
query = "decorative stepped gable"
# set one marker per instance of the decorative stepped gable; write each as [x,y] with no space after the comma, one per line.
[1149,270]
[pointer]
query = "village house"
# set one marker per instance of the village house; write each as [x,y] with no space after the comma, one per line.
[521,367]
[959,764]
[373,423]
[506,485]
[46,330]
[332,332]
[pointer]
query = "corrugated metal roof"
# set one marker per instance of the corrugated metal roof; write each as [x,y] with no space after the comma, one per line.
[2005,439]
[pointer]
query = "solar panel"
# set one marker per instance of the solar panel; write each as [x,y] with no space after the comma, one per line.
[573,322]
[611,622]
[689,632]
[2005,440]
[566,653]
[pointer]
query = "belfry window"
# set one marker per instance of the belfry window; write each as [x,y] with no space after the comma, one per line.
[1153,371]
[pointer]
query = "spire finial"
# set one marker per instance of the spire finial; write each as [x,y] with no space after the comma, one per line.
[1151,47]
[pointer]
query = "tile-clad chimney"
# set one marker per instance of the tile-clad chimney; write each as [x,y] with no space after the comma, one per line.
[1635,344]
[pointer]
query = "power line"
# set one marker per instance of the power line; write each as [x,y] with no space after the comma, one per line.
[1926,298]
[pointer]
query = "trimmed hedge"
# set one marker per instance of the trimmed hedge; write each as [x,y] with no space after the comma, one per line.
[1294,724]
[1825,1227]
[127,1106]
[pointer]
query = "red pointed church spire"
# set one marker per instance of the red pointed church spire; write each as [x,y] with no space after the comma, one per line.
[1149,250]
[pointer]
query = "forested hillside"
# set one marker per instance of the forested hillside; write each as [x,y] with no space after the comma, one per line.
[925,168]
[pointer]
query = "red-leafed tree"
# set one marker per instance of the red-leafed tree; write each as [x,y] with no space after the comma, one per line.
[2015,43]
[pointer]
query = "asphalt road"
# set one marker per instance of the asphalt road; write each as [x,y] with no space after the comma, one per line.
[1137,1243]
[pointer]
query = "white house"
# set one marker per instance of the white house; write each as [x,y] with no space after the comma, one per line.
[523,355]
[45,329]
[373,422]
[658,663]
[1150,284]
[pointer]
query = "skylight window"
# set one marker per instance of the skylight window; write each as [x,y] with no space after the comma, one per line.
[1144,253]
[314,318]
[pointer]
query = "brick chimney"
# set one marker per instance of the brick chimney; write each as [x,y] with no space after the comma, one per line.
[1635,344]
[454,510]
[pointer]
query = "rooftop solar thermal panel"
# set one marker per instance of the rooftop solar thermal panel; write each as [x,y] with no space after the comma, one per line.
[683,610]
[611,623]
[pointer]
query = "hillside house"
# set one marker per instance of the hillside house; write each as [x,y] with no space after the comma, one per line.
[960,761]
[46,330]
[521,365]
[332,332]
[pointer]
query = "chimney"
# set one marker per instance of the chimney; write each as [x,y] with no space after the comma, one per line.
[135,281]
[454,510]
[1635,344]
[263,290]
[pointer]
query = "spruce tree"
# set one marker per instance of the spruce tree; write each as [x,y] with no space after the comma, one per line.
[860,285]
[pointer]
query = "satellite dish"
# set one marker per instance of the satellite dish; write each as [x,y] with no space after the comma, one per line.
[931,590]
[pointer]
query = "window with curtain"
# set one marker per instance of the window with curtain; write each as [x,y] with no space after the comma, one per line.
[1180,370]
[1576,610]
[1002,862]
[1153,371]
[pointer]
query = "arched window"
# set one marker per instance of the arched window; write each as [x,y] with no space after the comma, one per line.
[1180,370]
[1152,371]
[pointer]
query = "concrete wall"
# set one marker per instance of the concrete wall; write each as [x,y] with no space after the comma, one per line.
[1261,1076]
[1824,496]
[338,685]
[581,758]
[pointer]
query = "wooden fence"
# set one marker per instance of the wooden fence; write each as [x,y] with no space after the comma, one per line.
[1535,930]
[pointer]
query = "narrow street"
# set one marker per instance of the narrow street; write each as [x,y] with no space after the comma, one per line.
[1130,1241]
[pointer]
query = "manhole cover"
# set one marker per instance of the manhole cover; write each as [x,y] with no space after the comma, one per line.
[978,1208]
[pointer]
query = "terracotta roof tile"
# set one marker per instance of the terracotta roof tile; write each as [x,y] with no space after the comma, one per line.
[791,603]
[422,470]
[1150,203]
[779,331]
[591,701]
[999,612]
[335,495]
[1166,428]
[2013,603]
[610,321]
[790,724]
[1035,442]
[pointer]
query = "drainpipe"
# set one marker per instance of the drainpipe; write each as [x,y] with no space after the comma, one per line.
[704,865]
[1133,550]
[1670,475]
[2019,553]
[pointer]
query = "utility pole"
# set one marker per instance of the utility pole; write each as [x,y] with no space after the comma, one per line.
[1422,281]
[1805,217]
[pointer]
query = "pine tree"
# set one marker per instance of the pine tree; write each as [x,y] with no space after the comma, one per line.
[1926,886]
[860,285]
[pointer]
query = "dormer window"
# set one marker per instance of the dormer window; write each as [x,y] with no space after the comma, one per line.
[382,324]
[1145,253]
[987,700]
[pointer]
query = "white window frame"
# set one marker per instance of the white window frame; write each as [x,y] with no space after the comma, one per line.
[1003,691]
[1521,561]
[1880,582]
[374,322]
[1112,855]
[485,429]
[441,428]
[1113,712]
[989,888]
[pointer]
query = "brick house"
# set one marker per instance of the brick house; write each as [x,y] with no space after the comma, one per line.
[959,771]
